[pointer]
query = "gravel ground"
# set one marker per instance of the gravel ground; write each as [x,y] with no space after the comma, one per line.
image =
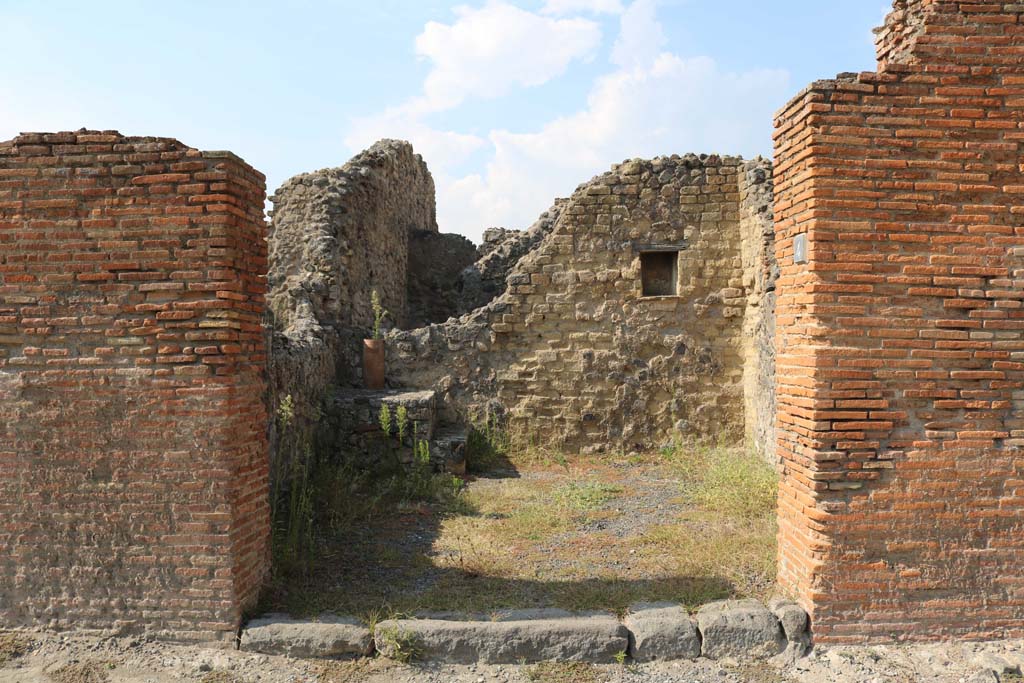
[52,658]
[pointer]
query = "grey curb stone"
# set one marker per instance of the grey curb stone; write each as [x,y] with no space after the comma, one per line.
[661,631]
[793,618]
[511,638]
[739,628]
[329,636]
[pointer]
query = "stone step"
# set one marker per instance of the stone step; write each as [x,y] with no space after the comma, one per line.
[355,414]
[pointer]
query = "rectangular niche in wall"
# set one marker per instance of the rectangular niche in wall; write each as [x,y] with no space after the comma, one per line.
[659,272]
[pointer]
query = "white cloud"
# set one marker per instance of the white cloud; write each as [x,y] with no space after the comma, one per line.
[443,150]
[490,50]
[675,106]
[651,103]
[641,37]
[564,7]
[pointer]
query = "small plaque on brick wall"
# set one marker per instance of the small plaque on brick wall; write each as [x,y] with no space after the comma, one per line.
[800,248]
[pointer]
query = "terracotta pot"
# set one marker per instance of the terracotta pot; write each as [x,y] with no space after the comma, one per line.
[373,363]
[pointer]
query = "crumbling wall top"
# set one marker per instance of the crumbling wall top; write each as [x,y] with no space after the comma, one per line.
[948,32]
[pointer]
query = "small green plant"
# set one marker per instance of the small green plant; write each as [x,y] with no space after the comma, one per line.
[398,644]
[291,500]
[620,657]
[385,418]
[402,420]
[422,454]
[379,313]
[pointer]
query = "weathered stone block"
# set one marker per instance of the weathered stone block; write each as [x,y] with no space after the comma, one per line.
[661,631]
[521,636]
[739,628]
[328,636]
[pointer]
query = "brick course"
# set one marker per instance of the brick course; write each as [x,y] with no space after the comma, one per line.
[133,468]
[900,349]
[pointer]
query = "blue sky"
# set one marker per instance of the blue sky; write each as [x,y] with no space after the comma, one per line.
[511,102]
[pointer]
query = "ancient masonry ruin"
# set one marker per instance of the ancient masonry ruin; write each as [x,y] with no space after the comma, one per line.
[854,311]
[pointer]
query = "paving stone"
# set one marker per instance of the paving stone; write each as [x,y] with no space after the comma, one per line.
[513,637]
[740,629]
[661,631]
[329,636]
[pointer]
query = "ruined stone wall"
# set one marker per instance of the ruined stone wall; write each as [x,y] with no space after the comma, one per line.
[760,272]
[336,236]
[896,40]
[133,452]
[573,354]
[486,278]
[900,372]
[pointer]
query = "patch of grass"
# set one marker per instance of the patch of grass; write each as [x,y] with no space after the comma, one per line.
[397,644]
[586,534]
[587,495]
[728,480]
[562,672]
[13,645]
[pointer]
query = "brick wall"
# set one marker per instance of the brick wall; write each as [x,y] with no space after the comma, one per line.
[900,347]
[133,469]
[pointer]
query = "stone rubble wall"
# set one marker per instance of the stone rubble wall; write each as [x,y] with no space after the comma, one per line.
[895,41]
[133,469]
[573,355]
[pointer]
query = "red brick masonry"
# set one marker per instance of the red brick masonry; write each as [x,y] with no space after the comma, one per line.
[133,455]
[900,348]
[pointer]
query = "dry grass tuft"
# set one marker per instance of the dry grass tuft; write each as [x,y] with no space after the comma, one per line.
[562,672]
[728,480]
[220,676]
[13,645]
[82,672]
